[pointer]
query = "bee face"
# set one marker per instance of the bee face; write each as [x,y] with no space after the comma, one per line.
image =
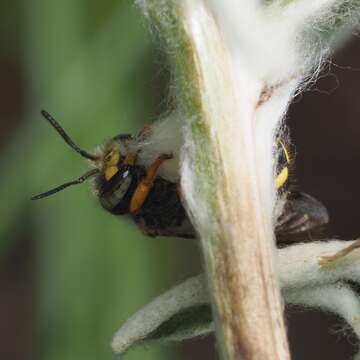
[117,175]
[113,155]
[111,160]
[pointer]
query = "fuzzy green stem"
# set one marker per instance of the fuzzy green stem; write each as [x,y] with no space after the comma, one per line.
[236,235]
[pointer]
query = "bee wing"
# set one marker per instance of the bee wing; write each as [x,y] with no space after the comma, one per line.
[303,217]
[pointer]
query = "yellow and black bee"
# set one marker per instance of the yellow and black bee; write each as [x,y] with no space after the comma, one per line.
[123,186]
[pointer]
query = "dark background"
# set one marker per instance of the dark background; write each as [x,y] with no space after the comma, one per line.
[71,274]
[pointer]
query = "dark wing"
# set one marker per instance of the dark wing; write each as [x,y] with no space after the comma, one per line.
[303,218]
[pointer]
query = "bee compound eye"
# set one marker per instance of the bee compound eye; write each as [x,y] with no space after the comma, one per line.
[115,190]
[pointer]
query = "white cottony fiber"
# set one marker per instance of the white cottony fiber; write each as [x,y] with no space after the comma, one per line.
[269,38]
[165,137]
[299,266]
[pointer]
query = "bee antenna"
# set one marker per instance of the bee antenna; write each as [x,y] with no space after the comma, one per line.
[66,137]
[80,180]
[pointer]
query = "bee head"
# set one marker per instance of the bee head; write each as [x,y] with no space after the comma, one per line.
[117,174]
[112,167]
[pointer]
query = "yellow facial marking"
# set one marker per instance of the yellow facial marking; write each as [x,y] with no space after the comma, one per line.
[111,161]
[110,172]
[282,177]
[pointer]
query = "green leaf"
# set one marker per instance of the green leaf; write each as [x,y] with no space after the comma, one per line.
[186,324]
[181,313]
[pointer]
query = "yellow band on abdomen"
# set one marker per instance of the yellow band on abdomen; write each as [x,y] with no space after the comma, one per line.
[282,177]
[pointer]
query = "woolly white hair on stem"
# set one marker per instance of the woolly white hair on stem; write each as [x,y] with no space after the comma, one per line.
[165,137]
[276,30]
[236,66]
[236,199]
[299,265]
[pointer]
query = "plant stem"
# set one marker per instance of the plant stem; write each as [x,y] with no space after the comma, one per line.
[220,182]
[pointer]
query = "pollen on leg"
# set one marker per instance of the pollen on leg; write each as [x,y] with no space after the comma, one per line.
[145,185]
[139,197]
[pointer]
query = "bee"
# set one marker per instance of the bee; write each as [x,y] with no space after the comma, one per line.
[302,215]
[126,187]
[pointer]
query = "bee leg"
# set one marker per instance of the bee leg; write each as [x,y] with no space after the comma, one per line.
[145,185]
[325,260]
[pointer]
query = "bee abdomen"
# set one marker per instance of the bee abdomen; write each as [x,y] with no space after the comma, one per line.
[163,212]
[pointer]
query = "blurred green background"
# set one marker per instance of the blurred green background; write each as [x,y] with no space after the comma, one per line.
[73,273]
